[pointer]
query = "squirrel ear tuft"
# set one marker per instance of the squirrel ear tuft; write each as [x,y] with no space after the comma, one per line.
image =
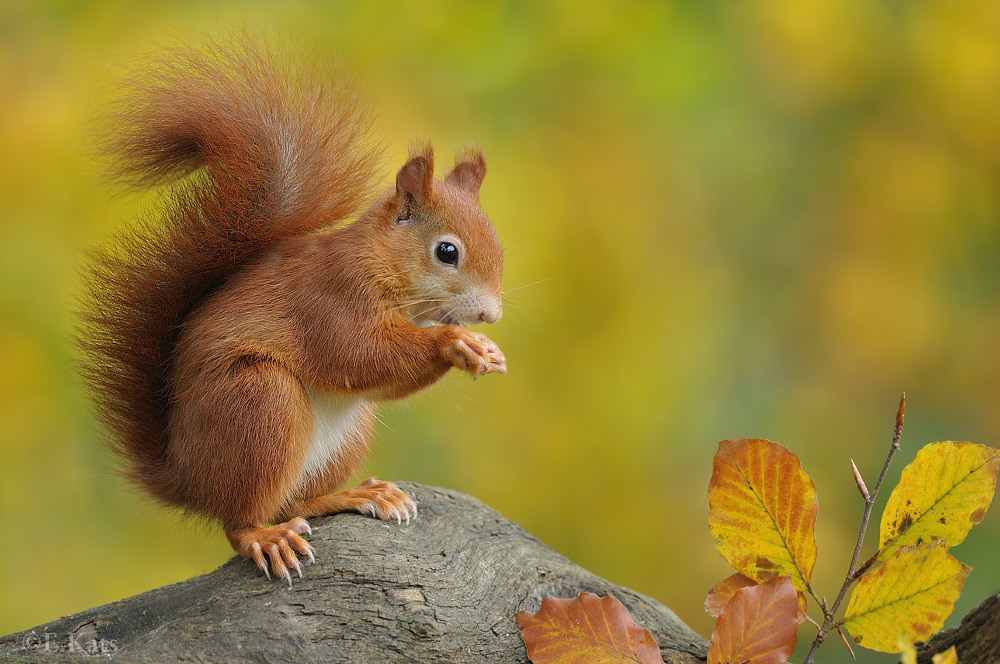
[415,180]
[469,171]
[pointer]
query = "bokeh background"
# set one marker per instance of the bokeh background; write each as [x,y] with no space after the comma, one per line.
[725,219]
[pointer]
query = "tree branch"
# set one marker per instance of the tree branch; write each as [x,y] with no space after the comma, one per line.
[829,615]
[444,588]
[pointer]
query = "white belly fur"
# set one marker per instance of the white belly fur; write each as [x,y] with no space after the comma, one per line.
[334,417]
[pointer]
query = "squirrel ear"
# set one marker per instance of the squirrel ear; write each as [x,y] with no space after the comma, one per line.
[415,180]
[469,171]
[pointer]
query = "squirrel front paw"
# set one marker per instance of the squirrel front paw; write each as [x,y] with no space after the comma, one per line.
[475,353]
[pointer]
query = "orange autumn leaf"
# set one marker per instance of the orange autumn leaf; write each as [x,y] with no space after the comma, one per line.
[758,625]
[912,594]
[944,491]
[720,595]
[585,630]
[762,511]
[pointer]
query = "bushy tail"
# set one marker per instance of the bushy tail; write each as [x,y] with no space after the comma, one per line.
[253,150]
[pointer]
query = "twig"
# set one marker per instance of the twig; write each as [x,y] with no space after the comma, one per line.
[854,572]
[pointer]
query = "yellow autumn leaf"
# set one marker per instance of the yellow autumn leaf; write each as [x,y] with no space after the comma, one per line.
[907,653]
[762,511]
[912,593]
[949,656]
[940,496]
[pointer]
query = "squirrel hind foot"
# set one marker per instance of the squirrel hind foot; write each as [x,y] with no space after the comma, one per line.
[274,548]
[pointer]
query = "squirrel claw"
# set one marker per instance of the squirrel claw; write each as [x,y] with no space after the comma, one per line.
[275,548]
[383,500]
[299,526]
[258,558]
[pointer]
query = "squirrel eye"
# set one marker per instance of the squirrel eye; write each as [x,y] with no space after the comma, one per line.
[447,253]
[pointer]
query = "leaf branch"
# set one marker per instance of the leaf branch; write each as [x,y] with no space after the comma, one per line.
[854,572]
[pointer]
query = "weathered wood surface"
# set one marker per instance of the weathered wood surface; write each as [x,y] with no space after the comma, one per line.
[977,639]
[444,588]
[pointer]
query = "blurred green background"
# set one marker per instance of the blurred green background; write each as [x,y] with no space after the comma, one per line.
[729,219]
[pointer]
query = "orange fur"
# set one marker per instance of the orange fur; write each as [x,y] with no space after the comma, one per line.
[224,343]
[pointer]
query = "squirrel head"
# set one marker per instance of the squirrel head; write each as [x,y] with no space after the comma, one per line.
[443,244]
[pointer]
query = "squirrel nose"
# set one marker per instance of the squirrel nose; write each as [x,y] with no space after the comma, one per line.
[491,314]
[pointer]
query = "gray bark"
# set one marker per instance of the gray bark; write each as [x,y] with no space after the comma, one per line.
[444,588]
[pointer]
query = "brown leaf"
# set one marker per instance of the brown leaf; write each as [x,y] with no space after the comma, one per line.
[585,630]
[762,511]
[720,595]
[758,625]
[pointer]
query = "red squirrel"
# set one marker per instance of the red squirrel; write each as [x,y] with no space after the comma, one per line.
[237,344]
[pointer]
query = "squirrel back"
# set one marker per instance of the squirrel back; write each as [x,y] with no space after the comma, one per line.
[253,151]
